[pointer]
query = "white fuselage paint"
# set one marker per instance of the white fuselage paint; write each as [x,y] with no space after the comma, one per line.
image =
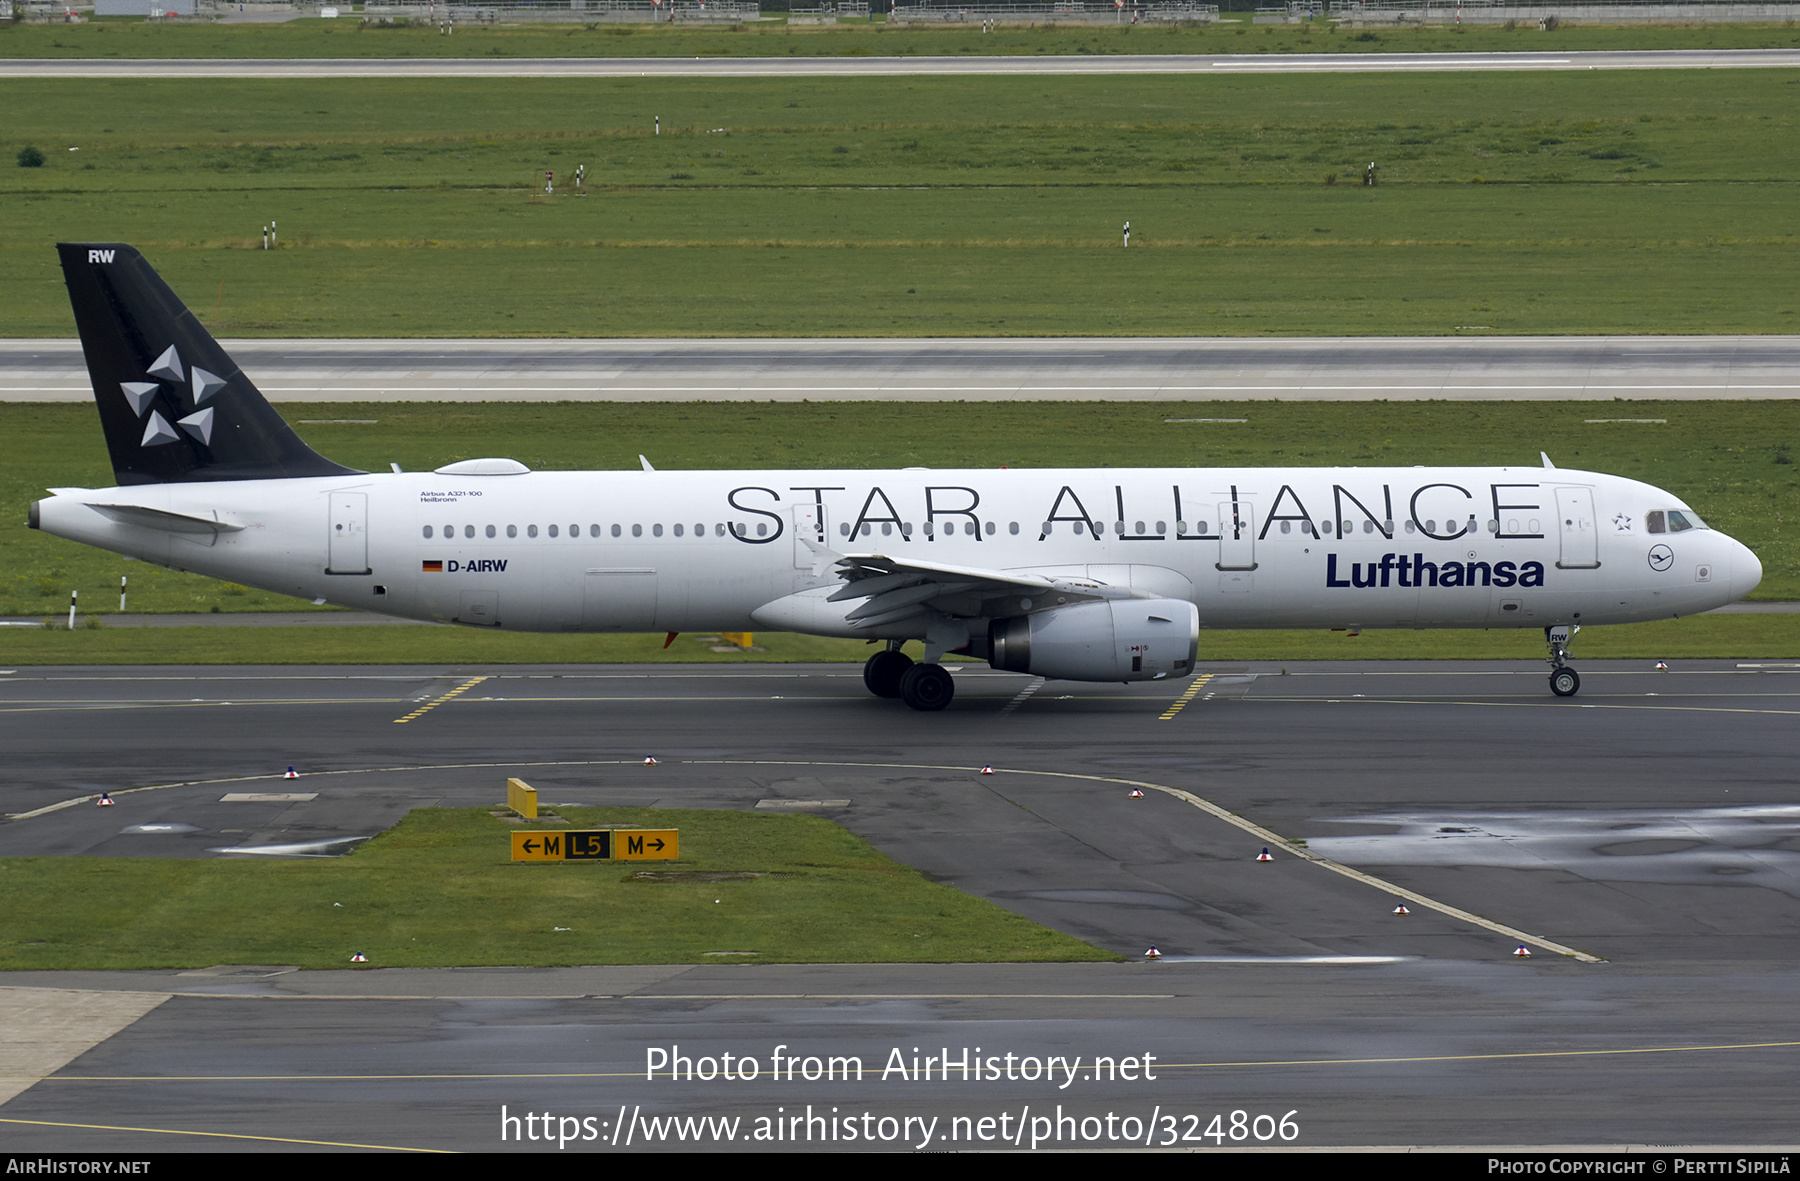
[1270,547]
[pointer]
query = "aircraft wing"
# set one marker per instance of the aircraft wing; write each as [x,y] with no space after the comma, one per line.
[899,588]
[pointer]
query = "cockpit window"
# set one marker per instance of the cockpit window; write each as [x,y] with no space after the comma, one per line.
[1672,521]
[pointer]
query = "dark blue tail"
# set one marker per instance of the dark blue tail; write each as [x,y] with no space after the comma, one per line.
[173,405]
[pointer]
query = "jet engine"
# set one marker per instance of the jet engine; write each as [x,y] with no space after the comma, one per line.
[1112,640]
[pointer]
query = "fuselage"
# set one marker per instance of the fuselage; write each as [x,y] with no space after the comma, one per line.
[705,550]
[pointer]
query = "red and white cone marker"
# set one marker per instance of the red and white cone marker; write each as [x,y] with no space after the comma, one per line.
[1662,666]
[1152,953]
[649,762]
[291,773]
[359,958]
[987,769]
[1137,794]
[1401,909]
[1264,855]
[1522,952]
[105,801]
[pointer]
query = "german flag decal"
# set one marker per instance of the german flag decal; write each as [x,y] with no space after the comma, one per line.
[431,567]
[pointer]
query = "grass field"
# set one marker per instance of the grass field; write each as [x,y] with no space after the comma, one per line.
[438,890]
[349,38]
[1733,461]
[1518,203]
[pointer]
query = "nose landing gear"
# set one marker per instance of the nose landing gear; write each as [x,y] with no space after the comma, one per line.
[1564,681]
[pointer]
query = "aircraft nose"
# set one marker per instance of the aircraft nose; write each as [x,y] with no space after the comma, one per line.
[1746,570]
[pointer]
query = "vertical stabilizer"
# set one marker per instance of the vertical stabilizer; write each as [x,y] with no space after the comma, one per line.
[174,407]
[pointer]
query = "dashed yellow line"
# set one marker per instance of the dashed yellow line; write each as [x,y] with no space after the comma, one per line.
[1181,702]
[431,705]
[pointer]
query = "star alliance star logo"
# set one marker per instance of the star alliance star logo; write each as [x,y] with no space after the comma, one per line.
[157,431]
[1622,523]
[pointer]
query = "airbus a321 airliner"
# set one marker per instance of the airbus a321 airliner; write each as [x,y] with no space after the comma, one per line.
[1106,574]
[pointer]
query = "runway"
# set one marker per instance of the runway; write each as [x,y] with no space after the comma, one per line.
[1080,370]
[853,67]
[1648,823]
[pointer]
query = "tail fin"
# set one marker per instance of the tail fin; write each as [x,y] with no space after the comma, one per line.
[173,405]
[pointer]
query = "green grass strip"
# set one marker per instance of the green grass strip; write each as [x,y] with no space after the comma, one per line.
[439,890]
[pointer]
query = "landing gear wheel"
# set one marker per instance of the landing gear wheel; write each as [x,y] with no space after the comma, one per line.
[882,672]
[1565,682]
[927,687]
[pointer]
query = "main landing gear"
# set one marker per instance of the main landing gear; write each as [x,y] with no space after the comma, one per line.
[923,686]
[1564,681]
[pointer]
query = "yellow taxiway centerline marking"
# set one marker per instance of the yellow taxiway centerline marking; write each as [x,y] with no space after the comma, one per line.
[1181,702]
[431,705]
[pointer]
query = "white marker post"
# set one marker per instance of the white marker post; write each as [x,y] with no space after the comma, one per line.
[658,119]
[121,593]
[1127,234]
[72,595]
[549,182]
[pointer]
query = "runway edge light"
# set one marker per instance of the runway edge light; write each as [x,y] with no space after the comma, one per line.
[1522,952]
[291,773]
[1152,954]
[1401,909]
[105,801]
[1264,855]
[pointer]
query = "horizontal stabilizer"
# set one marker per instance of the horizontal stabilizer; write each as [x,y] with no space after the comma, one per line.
[155,518]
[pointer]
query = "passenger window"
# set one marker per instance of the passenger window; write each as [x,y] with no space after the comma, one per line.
[615,530]
[1013,528]
[553,530]
[530,530]
[678,530]
[637,530]
[511,531]
[593,530]
[1287,526]
[990,528]
[428,532]
[490,530]
[468,530]
[656,530]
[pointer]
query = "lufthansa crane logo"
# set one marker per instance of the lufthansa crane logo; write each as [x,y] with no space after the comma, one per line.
[1661,557]
[168,368]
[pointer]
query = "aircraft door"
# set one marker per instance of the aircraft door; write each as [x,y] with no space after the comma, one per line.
[1580,540]
[1237,545]
[809,525]
[348,548]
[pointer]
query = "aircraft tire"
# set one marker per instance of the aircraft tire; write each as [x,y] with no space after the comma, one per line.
[882,672]
[927,687]
[1565,682]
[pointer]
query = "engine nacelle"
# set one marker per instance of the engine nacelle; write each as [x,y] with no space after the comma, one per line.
[1113,640]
